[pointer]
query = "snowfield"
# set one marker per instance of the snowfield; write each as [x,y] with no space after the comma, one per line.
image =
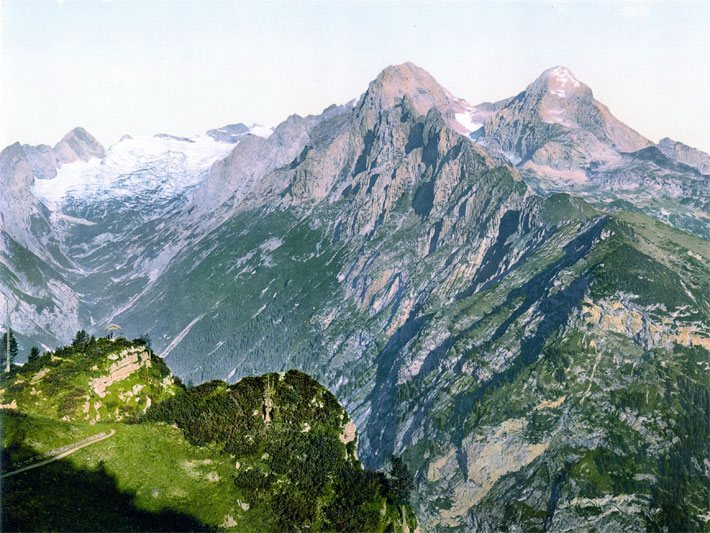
[465,120]
[165,165]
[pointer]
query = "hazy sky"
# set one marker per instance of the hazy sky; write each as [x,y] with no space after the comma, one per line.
[182,67]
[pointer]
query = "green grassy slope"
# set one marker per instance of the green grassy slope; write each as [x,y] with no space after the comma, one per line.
[268,453]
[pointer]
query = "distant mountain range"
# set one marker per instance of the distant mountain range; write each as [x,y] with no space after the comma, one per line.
[514,295]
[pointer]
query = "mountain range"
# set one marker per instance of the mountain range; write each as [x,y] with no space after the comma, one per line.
[513,295]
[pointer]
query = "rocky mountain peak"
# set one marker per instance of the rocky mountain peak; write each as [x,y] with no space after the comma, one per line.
[560,81]
[558,88]
[558,97]
[556,123]
[78,144]
[407,79]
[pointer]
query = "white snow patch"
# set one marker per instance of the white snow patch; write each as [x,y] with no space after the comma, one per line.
[73,220]
[563,76]
[465,120]
[217,347]
[261,131]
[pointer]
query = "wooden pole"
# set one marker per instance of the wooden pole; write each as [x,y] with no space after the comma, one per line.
[7,335]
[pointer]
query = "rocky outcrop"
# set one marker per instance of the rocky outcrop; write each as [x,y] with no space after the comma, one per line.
[230,133]
[128,361]
[421,90]
[649,326]
[349,433]
[490,456]
[685,154]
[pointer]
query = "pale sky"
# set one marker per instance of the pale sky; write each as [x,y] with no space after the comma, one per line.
[182,67]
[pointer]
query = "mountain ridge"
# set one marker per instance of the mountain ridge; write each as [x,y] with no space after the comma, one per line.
[461,304]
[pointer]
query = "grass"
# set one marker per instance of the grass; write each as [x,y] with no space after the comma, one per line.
[203,459]
[152,461]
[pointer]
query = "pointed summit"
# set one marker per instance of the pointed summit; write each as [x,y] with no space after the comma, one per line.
[560,74]
[78,144]
[560,82]
[396,81]
[556,122]
[556,87]
[423,91]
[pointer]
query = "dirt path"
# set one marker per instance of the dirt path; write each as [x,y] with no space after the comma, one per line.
[71,450]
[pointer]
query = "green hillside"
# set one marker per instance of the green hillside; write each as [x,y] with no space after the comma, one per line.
[269,453]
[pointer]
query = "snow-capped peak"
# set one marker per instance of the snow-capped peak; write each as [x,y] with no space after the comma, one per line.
[560,82]
[564,76]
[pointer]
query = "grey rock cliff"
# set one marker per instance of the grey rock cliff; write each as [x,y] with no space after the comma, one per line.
[685,154]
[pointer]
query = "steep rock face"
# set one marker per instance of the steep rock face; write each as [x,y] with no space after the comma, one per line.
[31,263]
[685,154]
[254,172]
[43,306]
[17,204]
[42,159]
[233,180]
[554,405]
[20,166]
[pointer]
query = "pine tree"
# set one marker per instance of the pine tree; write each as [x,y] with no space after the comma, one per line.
[81,339]
[401,480]
[34,354]
[8,358]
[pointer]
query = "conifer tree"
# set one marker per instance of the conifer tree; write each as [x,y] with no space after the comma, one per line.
[81,339]
[401,480]
[34,354]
